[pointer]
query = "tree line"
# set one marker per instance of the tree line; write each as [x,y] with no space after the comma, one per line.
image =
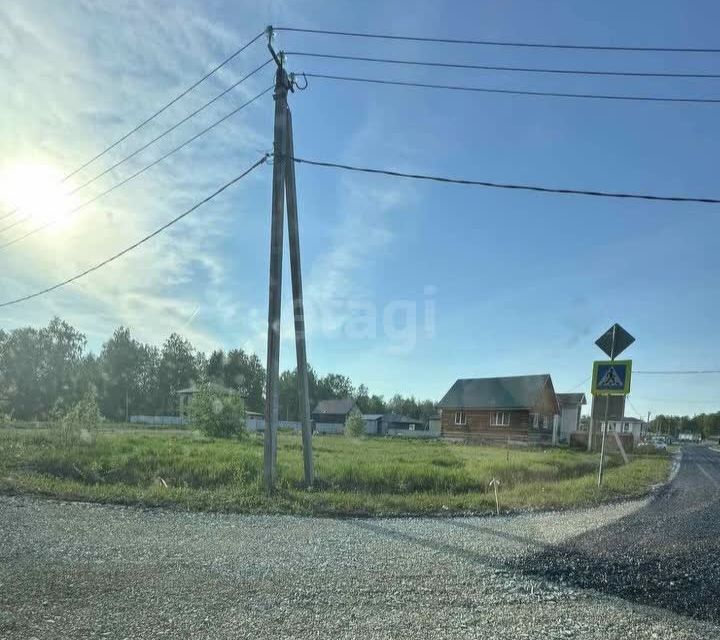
[706,424]
[44,372]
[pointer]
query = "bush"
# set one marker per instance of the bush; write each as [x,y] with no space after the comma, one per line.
[217,415]
[354,426]
[80,422]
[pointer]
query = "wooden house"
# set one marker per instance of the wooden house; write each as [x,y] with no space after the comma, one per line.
[497,410]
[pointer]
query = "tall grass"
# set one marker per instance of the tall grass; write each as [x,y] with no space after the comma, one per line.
[353,476]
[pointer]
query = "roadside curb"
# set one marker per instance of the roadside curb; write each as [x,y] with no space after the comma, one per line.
[658,489]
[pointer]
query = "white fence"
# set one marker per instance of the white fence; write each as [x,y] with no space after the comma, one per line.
[255,423]
[162,420]
[406,433]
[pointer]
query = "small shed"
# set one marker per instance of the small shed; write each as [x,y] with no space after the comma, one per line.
[373,423]
[395,424]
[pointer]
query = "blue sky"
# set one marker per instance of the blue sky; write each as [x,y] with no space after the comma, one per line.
[514,282]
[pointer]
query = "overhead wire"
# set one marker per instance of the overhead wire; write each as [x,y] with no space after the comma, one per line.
[139,242]
[162,109]
[517,92]
[140,171]
[483,67]
[685,372]
[498,43]
[580,384]
[500,185]
[149,143]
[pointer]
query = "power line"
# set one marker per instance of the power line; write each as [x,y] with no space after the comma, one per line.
[705,371]
[517,92]
[151,142]
[580,384]
[676,400]
[139,242]
[166,106]
[498,43]
[500,185]
[632,406]
[482,67]
[140,171]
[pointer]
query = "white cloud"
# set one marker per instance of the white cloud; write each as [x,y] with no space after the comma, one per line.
[91,71]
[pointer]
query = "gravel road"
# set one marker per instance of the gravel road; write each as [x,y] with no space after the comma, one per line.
[70,570]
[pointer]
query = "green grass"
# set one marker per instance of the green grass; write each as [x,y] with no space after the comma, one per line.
[354,477]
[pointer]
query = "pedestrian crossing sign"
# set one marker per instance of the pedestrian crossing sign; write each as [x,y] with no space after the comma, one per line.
[611,377]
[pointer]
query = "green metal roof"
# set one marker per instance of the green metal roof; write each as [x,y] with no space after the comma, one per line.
[513,392]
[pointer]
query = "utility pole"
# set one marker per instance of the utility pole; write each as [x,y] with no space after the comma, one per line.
[607,408]
[299,311]
[272,390]
[283,190]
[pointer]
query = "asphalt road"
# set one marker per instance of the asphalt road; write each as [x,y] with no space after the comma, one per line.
[636,570]
[666,555]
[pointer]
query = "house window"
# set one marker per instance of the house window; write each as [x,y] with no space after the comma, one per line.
[460,418]
[501,419]
[535,420]
[626,427]
[411,427]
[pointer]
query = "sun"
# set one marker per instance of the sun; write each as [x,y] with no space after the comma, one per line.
[36,193]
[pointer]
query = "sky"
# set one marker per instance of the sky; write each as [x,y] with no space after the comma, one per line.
[408,285]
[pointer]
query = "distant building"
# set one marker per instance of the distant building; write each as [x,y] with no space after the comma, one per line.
[254,421]
[329,416]
[373,423]
[516,408]
[185,396]
[626,424]
[397,425]
[571,405]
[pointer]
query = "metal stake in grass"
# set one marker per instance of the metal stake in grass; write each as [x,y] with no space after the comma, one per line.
[494,483]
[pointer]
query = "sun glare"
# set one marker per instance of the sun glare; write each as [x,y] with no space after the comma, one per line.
[36,192]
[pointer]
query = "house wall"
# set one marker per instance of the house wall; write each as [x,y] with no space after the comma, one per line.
[478,425]
[372,427]
[547,402]
[569,421]
[635,428]
[329,427]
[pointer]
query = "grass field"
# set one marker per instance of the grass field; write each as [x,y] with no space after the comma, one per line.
[354,477]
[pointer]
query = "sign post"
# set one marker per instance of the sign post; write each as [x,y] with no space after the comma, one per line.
[494,484]
[611,378]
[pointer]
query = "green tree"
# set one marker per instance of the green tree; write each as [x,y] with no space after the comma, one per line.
[177,370]
[79,424]
[354,425]
[120,363]
[245,373]
[63,348]
[334,385]
[38,366]
[217,415]
[375,404]
[215,369]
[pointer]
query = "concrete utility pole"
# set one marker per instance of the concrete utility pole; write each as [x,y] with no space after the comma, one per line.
[272,391]
[284,189]
[296,276]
